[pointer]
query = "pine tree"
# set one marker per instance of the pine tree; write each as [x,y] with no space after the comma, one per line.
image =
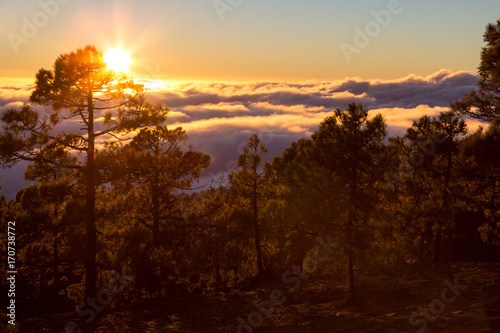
[348,144]
[249,179]
[107,104]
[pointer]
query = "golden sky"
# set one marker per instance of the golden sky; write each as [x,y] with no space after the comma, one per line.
[243,40]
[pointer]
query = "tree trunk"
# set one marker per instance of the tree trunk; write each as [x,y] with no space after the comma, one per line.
[218,279]
[493,225]
[352,286]
[437,244]
[446,203]
[55,245]
[298,253]
[235,272]
[90,263]
[258,249]
[55,267]
[156,214]
[349,236]
[422,248]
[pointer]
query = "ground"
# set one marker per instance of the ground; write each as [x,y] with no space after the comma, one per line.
[391,298]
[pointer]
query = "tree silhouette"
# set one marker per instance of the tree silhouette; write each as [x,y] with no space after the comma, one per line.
[433,147]
[157,166]
[452,126]
[347,144]
[80,90]
[54,189]
[484,102]
[480,168]
[250,181]
[300,203]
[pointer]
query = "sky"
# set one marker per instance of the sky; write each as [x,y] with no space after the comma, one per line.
[230,68]
[251,39]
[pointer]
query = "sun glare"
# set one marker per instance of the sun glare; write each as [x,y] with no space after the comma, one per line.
[155,85]
[117,59]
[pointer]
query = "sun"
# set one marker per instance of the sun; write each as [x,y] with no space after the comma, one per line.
[117,59]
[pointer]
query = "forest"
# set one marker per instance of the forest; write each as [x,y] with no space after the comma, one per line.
[116,214]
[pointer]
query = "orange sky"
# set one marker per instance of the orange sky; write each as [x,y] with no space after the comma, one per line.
[255,40]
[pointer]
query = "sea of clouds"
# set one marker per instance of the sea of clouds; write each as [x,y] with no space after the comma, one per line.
[219,117]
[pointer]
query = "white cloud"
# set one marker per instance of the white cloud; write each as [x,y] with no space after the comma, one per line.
[219,117]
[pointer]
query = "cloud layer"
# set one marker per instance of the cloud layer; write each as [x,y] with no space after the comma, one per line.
[219,117]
